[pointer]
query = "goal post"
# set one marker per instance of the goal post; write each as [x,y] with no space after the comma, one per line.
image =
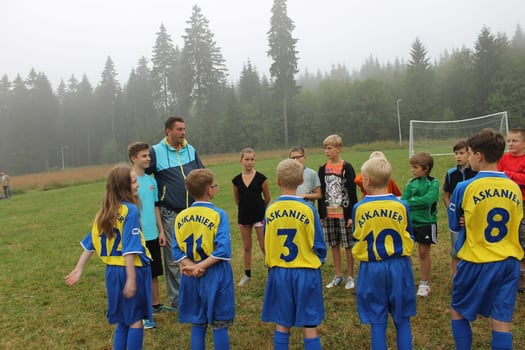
[438,137]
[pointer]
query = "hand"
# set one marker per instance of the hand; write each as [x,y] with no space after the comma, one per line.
[461,220]
[73,277]
[162,240]
[349,223]
[187,270]
[130,288]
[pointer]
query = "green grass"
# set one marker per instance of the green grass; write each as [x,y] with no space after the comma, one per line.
[39,245]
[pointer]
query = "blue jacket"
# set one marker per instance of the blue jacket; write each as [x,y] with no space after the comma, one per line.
[170,168]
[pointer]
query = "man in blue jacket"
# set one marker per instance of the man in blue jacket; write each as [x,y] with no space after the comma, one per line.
[172,159]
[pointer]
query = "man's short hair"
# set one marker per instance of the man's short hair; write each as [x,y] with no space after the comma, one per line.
[379,170]
[290,173]
[488,142]
[135,147]
[170,122]
[333,140]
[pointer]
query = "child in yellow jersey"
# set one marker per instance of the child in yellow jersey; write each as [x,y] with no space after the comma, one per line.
[118,241]
[486,282]
[295,250]
[384,244]
[202,245]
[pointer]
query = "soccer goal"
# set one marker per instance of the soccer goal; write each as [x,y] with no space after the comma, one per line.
[438,137]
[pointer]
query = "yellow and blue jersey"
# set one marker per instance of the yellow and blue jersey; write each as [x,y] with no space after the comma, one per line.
[202,230]
[382,228]
[492,207]
[127,239]
[293,235]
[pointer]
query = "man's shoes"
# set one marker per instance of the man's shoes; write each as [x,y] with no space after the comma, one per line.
[163,307]
[149,324]
[337,280]
[244,280]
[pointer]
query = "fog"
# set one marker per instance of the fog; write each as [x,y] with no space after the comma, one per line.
[63,37]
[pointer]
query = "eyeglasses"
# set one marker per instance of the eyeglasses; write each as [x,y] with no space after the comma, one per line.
[215,185]
[297,157]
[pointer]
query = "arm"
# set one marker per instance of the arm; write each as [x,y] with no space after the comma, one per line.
[130,288]
[74,276]
[236,195]
[426,199]
[313,196]
[266,192]
[162,236]
[446,199]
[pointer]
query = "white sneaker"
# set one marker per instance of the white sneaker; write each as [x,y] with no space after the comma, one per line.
[423,290]
[335,282]
[245,279]
[350,283]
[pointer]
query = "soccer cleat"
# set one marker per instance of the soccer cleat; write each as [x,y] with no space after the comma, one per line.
[423,290]
[244,280]
[163,307]
[335,282]
[350,283]
[149,324]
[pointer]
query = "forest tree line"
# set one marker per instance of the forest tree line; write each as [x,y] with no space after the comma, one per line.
[79,124]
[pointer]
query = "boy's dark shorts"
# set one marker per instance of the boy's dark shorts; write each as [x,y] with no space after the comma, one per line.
[156,265]
[426,234]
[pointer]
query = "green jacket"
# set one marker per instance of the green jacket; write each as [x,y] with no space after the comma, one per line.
[422,194]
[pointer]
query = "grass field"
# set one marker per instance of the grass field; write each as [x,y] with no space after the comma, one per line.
[40,230]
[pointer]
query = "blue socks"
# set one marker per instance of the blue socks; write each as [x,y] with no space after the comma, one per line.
[312,343]
[404,334]
[135,338]
[281,340]
[462,334]
[378,335]
[128,338]
[120,338]
[198,337]
[501,341]
[221,339]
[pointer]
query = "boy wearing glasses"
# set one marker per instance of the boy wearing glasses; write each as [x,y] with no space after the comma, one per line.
[310,189]
[202,245]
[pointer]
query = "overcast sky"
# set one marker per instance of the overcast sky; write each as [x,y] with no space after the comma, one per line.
[65,37]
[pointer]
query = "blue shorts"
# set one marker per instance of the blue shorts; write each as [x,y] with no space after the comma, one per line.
[487,289]
[124,310]
[293,297]
[385,287]
[209,299]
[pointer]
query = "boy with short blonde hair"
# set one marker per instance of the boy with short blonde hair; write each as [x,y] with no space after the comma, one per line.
[384,243]
[335,207]
[295,251]
[421,193]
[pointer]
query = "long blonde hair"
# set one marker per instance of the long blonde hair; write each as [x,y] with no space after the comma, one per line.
[118,189]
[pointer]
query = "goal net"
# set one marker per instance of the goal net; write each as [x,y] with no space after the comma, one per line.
[438,137]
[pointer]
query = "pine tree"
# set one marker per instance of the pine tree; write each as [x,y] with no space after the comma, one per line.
[162,74]
[202,60]
[282,51]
